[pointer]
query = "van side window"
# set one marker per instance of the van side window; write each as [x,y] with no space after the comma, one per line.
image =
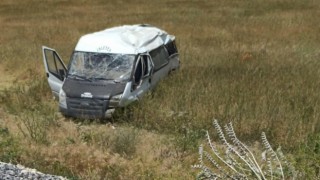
[159,57]
[54,64]
[171,48]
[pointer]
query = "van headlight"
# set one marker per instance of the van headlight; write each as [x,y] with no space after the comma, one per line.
[114,101]
[62,99]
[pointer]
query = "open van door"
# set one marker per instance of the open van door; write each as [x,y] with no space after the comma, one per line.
[55,69]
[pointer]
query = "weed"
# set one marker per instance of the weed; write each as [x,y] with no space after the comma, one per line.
[86,136]
[35,125]
[38,162]
[112,172]
[9,147]
[124,142]
[308,158]
[25,97]
[187,140]
[235,161]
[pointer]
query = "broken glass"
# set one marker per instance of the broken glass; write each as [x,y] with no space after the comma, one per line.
[101,66]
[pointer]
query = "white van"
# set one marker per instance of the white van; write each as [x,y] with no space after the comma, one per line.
[109,69]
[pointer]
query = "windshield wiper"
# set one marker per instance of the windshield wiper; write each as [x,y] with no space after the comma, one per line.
[80,77]
[101,78]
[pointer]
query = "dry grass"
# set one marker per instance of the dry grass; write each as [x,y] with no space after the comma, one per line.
[255,63]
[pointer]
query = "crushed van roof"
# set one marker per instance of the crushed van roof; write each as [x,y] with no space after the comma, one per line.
[127,39]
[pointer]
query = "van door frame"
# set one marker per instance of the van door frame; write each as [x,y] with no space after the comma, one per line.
[55,74]
[145,79]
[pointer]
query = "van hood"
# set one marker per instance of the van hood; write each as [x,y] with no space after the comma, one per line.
[95,89]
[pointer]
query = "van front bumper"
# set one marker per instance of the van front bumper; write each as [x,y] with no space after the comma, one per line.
[86,108]
[107,114]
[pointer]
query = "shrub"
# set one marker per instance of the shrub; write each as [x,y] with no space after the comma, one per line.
[9,147]
[234,160]
[124,142]
[35,125]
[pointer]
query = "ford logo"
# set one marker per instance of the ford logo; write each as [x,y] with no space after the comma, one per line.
[86,95]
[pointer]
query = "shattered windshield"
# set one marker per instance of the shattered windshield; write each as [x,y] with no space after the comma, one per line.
[101,66]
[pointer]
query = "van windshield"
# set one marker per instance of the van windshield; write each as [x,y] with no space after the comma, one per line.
[101,66]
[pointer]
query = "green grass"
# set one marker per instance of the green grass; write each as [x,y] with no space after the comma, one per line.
[254,63]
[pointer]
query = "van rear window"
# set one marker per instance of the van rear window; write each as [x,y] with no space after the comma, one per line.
[171,48]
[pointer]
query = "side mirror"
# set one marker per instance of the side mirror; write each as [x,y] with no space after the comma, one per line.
[62,73]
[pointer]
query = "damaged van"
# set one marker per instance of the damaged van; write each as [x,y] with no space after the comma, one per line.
[110,68]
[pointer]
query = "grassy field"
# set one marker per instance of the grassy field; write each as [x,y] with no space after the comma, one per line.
[254,63]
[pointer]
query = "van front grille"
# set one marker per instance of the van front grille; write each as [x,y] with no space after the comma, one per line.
[87,107]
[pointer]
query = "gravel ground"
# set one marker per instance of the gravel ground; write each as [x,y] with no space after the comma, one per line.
[18,172]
